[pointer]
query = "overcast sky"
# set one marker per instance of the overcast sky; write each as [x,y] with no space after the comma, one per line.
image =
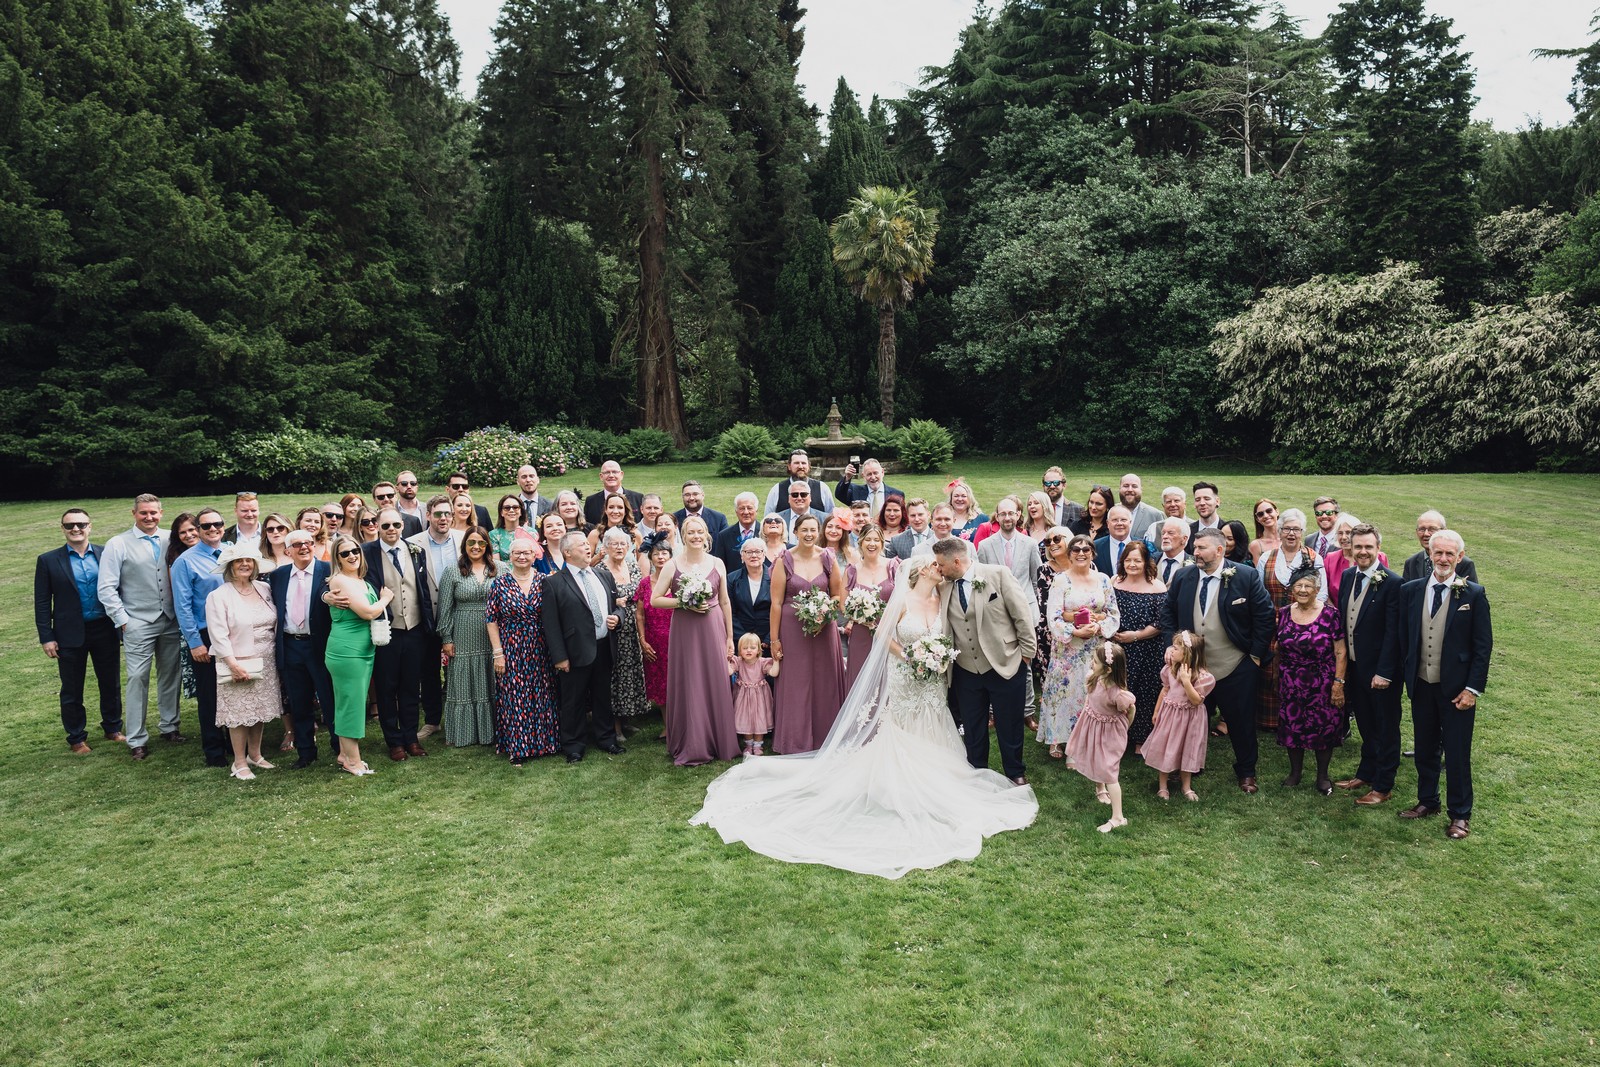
[848,37]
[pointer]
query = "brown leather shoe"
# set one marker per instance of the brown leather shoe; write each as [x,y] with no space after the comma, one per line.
[174,738]
[416,749]
[1353,783]
[1247,784]
[1020,779]
[116,735]
[79,748]
[1369,799]
[141,752]
[1420,811]
[398,754]
[1457,829]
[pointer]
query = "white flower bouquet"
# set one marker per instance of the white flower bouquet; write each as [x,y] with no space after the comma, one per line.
[929,656]
[694,591]
[862,606]
[815,609]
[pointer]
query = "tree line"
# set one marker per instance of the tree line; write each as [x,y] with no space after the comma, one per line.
[230,217]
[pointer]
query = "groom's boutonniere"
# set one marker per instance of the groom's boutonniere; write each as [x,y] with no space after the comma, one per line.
[1458,585]
[1227,575]
[979,585]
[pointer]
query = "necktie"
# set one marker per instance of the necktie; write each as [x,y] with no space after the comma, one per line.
[961,591]
[587,579]
[1166,571]
[1116,559]
[1008,552]
[1438,598]
[298,600]
[1355,591]
[1205,589]
[745,535]
[155,546]
[394,554]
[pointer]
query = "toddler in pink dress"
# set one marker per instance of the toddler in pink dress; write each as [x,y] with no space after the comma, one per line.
[1177,741]
[752,696]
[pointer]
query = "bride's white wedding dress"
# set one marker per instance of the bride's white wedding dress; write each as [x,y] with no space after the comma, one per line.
[890,791]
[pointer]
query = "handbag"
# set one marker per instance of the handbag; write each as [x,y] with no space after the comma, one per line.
[254,666]
[381,631]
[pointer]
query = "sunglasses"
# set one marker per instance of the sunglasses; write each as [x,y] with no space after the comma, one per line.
[383,496]
[392,526]
[792,495]
[277,529]
[211,525]
[1056,540]
[475,543]
[510,507]
[74,526]
[1052,484]
[458,487]
[1325,514]
[441,514]
[369,522]
[1081,550]
[350,553]
[333,516]
[407,485]
[1263,513]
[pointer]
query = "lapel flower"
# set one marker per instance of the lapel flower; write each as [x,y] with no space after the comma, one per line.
[1458,585]
[979,585]
[1378,578]
[1227,575]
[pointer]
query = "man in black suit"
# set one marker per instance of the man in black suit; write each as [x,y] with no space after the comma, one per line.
[1207,501]
[872,489]
[1369,604]
[578,621]
[1447,640]
[694,503]
[74,629]
[304,623]
[1419,565]
[752,607]
[1229,607]
[746,526]
[533,505]
[1108,549]
[386,495]
[594,505]
[397,666]
[457,483]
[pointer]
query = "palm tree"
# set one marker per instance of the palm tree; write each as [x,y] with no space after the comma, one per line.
[884,245]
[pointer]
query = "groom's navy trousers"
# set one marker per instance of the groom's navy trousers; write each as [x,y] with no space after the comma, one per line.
[974,695]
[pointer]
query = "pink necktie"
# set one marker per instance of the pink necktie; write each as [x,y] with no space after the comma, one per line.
[1008,553]
[298,600]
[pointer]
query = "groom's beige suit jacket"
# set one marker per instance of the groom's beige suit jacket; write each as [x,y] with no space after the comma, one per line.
[996,632]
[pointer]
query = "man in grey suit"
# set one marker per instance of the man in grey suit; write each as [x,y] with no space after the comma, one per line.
[441,548]
[1421,565]
[1173,539]
[1131,492]
[137,595]
[1018,553]
[901,545]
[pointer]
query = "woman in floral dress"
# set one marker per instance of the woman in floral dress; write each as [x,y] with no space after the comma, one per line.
[525,690]
[628,700]
[1311,661]
[1078,592]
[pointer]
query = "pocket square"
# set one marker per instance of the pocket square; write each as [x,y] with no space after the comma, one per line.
[1465,607]
[1236,603]
[994,596]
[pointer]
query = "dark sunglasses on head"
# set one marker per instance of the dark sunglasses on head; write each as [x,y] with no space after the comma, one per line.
[350,553]
[211,525]
[74,526]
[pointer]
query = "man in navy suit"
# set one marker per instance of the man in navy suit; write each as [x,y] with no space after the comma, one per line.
[74,629]
[579,618]
[1418,566]
[1447,640]
[1108,549]
[746,526]
[872,489]
[694,503]
[1369,604]
[1229,607]
[302,642]
[397,666]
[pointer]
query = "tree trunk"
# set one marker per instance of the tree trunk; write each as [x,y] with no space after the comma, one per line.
[886,365]
[660,401]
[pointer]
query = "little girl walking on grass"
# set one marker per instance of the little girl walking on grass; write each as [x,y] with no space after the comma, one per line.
[752,696]
[1177,741]
[1101,735]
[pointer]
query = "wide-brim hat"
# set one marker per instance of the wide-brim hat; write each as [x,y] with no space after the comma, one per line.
[233,552]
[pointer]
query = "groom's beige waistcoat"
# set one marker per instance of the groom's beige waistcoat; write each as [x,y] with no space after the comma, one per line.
[996,631]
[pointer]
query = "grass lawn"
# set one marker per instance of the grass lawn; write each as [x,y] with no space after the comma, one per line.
[457,911]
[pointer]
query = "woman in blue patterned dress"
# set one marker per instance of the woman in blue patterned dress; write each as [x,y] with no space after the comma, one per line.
[524,699]
[1310,679]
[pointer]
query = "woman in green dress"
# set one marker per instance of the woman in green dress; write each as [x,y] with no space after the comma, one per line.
[350,652]
[508,520]
[469,683]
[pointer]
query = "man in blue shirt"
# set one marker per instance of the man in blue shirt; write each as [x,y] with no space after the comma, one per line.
[194,575]
[74,629]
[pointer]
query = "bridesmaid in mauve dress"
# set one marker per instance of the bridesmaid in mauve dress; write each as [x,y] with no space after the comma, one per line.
[700,654]
[875,569]
[811,682]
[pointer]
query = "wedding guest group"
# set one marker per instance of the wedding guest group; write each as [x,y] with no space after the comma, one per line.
[554,622]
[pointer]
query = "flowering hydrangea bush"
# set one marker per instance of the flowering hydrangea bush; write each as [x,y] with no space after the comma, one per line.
[491,455]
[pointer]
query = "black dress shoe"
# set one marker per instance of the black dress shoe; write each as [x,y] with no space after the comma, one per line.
[615,750]
[217,761]
[174,738]
[140,752]
[574,757]
[303,762]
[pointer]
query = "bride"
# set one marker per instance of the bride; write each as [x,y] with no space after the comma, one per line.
[890,789]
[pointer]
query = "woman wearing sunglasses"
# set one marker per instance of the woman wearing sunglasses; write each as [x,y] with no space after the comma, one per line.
[1082,613]
[274,553]
[350,650]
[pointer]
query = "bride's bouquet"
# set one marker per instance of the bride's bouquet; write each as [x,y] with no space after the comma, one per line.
[815,609]
[929,656]
[694,591]
[863,606]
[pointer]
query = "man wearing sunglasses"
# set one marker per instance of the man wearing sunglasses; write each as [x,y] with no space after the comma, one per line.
[1326,512]
[387,495]
[406,503]
[441,549]
[398,668]
[1065,511]
[194,575]
[74,629]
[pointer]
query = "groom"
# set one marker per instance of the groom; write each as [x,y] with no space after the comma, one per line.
[990,620]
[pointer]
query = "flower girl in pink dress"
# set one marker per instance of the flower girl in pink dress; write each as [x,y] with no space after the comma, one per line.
[752,696]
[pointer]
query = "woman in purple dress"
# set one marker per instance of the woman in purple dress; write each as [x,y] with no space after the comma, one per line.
[525,691]
[874,571]
[1310,679]
[654,626]
[700,655]
[811,684]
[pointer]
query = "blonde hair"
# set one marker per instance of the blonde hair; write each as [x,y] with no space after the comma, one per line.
[1192,647]
[750,639]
